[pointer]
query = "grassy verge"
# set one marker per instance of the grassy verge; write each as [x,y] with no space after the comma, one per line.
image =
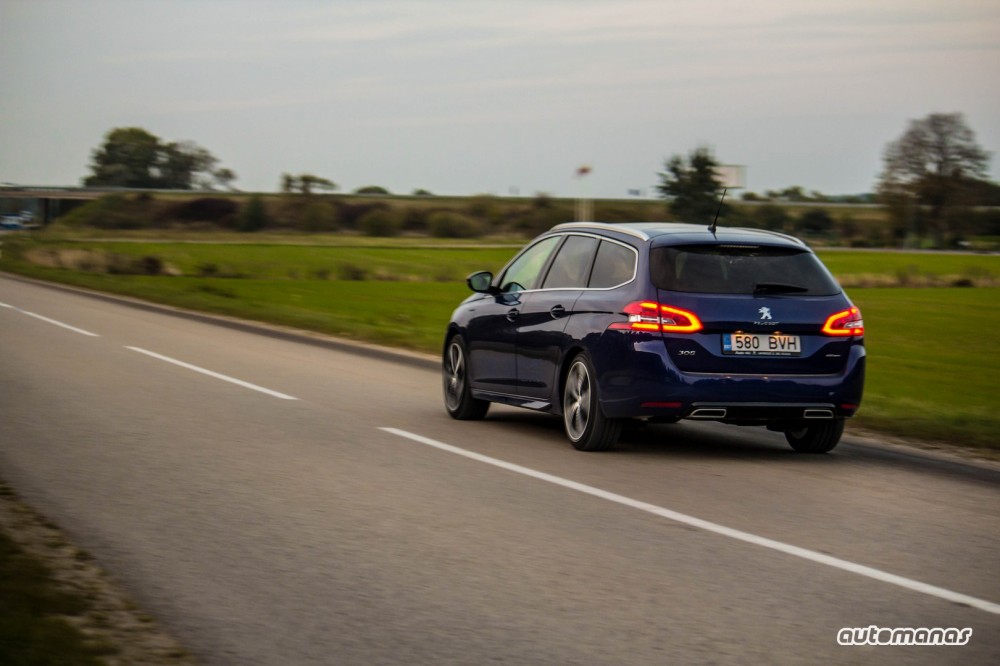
[58,608]
[931,358]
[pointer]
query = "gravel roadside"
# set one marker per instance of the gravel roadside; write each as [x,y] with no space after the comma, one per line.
[112,619]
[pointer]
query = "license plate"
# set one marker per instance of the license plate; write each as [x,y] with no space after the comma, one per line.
[756,344]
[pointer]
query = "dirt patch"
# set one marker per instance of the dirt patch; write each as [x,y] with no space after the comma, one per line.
[99,261]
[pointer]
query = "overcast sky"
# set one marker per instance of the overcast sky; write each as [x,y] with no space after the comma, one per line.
[470,96]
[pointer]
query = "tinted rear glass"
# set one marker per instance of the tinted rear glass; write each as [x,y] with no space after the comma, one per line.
[740,269]
[614,265]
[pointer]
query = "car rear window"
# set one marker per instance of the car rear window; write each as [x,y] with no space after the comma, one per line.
[740,269]
[613,266]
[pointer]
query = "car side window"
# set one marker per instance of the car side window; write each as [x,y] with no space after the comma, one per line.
[525,271]
[571,267]
[613,266]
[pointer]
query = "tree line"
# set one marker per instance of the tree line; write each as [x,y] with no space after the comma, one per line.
[934,176]
[132,157]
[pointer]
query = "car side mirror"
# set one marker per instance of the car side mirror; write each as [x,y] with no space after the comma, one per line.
[481,282]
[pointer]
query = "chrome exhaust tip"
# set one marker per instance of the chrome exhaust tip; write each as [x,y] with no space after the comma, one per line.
[708,413]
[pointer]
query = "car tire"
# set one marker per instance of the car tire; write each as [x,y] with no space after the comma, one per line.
[586,426]
[458,398]
[816,437]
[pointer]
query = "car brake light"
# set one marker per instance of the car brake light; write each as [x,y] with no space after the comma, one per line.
[655,317]
[846,323]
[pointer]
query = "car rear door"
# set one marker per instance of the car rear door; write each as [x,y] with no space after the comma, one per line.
[544,315]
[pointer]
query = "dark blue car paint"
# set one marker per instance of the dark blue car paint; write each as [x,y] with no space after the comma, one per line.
[520,343]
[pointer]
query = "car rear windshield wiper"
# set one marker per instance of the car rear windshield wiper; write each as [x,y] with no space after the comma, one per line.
[777,288]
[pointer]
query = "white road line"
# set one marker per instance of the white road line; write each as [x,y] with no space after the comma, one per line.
[804,553]
[217,375]
[51,321]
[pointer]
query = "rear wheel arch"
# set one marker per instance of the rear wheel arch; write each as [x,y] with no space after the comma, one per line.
[586,426]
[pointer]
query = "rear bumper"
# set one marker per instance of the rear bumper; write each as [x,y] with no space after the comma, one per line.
[644,384]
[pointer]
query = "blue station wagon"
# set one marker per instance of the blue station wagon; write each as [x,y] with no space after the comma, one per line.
[606,323]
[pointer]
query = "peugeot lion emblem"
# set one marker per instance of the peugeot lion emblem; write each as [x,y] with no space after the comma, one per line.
[765,313]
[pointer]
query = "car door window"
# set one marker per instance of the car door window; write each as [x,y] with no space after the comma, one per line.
[571,267]
[613,266]
[526,270]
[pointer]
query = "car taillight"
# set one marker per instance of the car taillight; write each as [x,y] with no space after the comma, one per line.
[656,317]
[846,323]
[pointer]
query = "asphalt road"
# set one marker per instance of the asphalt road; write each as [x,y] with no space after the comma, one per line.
[275,502]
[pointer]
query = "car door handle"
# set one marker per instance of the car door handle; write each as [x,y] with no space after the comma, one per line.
[557,311]
[512,314]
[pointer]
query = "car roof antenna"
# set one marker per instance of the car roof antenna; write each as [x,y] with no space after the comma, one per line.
[715,223]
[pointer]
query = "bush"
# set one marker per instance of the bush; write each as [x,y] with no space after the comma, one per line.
[483,206]
[415,219]
[352,272]
[542,201]
[382,223]
[319,216]
[445,224]
[124,265]
[771,217]
[609,212]
[534,221]
[815,221]
[253,216]
[371,189]
[847,229]
[207,209]
[350,214]
[736,216]
[114,211]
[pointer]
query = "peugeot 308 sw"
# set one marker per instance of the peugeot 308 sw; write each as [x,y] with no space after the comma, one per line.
[602,323]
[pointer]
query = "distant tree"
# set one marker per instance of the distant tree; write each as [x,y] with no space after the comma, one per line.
[421,192]
[225,177]
[129,157]
[305,183]
[794,193]
[185,165]
[309,182]
[371,189]
[933,165]
[133,157]
[691,186]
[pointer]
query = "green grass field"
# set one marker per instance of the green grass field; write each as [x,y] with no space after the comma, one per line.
[931,365]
